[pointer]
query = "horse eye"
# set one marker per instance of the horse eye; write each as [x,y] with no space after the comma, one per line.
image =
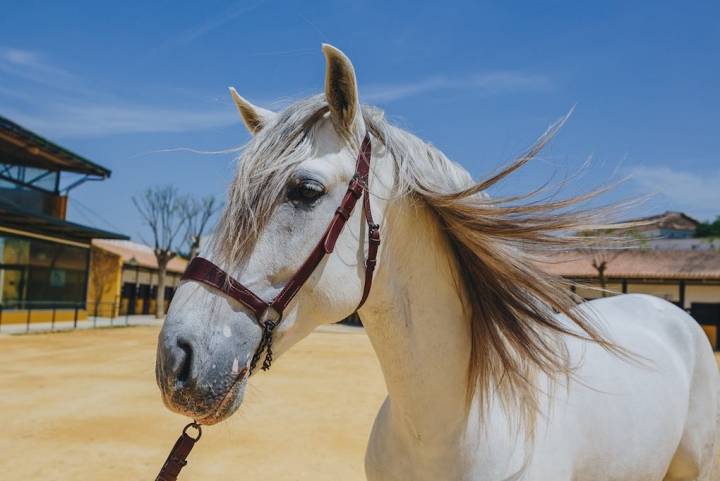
[306,190]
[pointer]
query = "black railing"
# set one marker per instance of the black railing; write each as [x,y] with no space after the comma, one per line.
[27,316]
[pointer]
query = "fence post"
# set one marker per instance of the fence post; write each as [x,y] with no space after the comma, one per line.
[75,319]
[27,322]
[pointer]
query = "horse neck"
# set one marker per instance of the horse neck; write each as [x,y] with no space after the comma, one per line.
[418,327]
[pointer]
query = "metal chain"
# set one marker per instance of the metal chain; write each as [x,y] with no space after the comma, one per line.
[265,346]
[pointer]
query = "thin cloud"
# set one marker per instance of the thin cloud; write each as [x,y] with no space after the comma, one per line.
[488,82]
[64,107]
[30,65]
[213,23]
[695,193]
[70,109]
[92,120]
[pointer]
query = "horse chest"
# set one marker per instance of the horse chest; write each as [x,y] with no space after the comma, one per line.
[472,453]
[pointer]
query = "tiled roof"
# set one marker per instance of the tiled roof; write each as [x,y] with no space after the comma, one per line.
[143,255]
[636,264]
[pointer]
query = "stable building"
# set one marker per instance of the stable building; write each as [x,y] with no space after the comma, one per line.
[124,278]
[44,259]
[689,279]
[668,225]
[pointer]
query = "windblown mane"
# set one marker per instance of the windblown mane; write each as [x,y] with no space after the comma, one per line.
[497,243]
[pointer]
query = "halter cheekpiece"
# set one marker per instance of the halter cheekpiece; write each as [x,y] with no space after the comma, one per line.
[269,315]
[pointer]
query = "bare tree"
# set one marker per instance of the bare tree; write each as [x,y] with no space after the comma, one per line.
[197,214]
[600,260]
[161,208]
[604,248]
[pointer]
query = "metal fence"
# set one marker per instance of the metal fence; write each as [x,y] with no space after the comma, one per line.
[29,316]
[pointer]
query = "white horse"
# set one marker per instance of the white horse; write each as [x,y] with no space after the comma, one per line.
[485,380]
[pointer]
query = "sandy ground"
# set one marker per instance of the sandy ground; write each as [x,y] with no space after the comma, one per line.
[84,406]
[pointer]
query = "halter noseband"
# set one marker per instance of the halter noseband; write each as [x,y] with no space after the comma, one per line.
[268,315]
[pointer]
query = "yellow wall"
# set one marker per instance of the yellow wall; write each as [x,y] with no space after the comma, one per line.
[41,315]
[705,293]
[104,283]
[712,334]
[105,276]
[670,292]
[144,276]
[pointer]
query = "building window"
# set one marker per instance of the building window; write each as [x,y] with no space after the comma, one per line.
[41,274]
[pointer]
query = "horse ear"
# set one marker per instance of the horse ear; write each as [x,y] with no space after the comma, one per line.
[254,118]
[341,89]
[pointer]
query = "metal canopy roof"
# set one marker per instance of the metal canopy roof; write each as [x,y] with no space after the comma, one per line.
[19,146]
[13,216]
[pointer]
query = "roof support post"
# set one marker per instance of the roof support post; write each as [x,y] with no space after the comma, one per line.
[681,294]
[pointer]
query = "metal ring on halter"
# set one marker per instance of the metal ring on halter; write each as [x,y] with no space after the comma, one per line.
[266,316]
[197,427]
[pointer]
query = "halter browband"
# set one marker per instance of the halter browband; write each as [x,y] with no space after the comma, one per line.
[269,314]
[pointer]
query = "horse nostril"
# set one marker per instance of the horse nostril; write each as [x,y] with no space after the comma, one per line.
[185,360]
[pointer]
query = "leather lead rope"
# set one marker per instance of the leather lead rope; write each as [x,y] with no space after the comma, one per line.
[177,459]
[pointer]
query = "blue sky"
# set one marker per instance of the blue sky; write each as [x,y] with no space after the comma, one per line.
[127,83]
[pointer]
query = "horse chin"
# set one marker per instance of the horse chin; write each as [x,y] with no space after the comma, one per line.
[227,407]
[207,407]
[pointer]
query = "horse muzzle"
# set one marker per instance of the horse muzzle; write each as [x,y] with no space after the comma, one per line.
[203,377]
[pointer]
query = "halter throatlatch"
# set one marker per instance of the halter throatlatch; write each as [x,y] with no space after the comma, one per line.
[270,314]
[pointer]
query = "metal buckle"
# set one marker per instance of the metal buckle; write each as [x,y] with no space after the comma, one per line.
[356,187]
[345,215]
[374,233]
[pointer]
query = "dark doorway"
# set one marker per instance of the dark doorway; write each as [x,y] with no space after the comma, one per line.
[144,294]
[708,315]
[129,295]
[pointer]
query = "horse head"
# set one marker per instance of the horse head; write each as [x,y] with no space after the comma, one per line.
[291,178]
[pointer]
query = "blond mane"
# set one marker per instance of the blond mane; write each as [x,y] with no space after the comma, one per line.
[497,242]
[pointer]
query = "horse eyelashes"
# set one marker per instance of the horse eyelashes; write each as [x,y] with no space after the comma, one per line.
[306,191]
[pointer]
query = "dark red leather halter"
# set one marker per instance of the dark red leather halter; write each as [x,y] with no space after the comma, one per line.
[269,314]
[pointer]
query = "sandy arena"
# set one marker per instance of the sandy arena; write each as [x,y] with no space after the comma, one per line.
[84,406]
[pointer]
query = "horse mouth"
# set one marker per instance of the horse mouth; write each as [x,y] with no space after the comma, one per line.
[227,405]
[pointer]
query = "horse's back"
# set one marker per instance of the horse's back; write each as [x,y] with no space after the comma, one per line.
[654,333]
[628,416]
